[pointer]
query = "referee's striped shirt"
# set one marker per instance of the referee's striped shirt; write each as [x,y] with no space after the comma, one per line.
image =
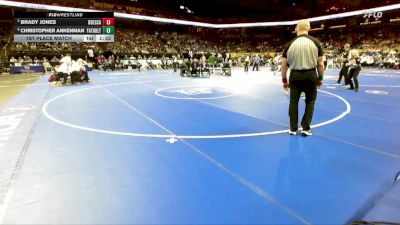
[302,52]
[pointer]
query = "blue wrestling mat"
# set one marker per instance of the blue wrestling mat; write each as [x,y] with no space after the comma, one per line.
[155,148]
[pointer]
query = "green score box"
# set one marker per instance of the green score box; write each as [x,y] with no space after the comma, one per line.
[108,30]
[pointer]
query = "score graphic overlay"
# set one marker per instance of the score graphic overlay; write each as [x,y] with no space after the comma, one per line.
[64,27]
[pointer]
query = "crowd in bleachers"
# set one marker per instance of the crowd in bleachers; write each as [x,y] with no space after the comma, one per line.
[146,46]
[377,48]
[51,46]
[128,42]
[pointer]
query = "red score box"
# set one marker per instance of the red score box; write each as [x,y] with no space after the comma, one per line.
[108,21]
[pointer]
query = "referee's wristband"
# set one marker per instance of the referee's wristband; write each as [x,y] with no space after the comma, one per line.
[284,80]
[321,77]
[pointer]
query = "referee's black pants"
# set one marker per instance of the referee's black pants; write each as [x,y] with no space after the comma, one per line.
[256,66]
[353,75]
[75,77]
[63,76]
[344,74]
[307,82]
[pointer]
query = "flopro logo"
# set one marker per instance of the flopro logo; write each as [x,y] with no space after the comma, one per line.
[187,93]
[193,91]
[372,15]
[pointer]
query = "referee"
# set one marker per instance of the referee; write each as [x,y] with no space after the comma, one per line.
[345,68]
[303,55]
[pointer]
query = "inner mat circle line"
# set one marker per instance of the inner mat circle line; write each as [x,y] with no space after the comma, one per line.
[133,134]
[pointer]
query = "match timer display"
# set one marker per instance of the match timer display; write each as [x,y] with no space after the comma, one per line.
[64,27]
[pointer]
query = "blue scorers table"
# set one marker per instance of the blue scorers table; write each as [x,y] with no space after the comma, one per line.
[26,69]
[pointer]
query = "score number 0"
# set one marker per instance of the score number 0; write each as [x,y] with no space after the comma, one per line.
[108,21]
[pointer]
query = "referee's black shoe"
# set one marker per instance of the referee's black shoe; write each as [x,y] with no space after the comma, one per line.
[306,133]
